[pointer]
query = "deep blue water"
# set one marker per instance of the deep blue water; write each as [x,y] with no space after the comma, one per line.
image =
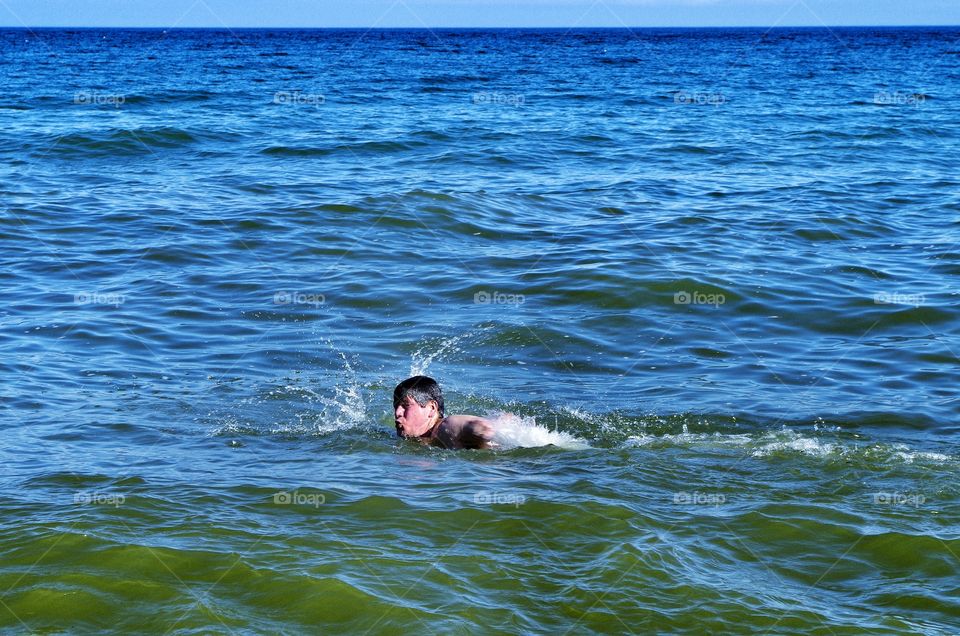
[726,260]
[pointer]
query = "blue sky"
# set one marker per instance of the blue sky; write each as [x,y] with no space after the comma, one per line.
[475,13]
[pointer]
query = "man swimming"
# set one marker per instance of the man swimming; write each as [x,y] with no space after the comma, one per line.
[418,413]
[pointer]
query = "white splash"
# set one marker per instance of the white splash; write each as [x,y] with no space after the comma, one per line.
[343,407]
[903,453]
[768,444]
[787,440]
[686,438]
[421,361]
[514,431]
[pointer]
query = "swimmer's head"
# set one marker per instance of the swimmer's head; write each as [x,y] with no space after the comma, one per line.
[417,406]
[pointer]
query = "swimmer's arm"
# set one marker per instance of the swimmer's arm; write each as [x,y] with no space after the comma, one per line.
[465,431]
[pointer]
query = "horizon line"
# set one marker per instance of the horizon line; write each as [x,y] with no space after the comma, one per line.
[477,28]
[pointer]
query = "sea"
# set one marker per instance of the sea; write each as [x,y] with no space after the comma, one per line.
[704,282]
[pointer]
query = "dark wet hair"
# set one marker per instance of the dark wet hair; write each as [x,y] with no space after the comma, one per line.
[422,389]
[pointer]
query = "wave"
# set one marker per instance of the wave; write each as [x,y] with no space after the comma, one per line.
[123,142]
[376,147]
[786,442]
[169,97]
[456,79]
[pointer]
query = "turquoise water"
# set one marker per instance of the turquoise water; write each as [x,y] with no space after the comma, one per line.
[711,273]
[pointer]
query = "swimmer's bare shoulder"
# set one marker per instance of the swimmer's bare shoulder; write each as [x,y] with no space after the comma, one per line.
[464,431]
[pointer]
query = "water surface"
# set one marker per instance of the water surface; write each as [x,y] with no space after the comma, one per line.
[719,265]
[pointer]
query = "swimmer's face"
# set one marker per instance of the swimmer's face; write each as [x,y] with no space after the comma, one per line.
[413,420]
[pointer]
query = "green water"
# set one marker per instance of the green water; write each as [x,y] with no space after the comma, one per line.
[710,532]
